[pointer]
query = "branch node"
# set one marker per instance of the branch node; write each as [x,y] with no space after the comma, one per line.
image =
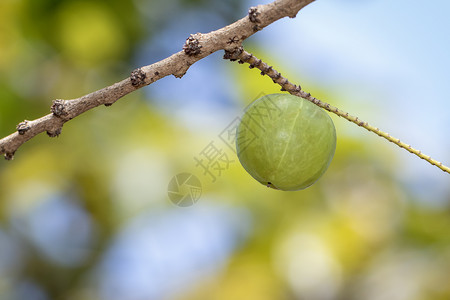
[192,45]
[137,78]
[59,108]
[253,14]
[9,155]
[233,55]
[265,70]
[23,127]
[55,133]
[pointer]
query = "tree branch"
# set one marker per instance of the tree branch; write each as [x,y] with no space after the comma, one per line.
[197,46]
[245,57]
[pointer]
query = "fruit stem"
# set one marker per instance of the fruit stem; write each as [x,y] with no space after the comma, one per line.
[293,89]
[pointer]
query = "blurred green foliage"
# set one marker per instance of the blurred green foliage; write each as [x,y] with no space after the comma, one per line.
[358,233]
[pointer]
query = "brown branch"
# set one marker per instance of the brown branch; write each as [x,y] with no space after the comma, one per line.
[197,46]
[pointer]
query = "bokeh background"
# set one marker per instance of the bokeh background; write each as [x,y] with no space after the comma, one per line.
[86,215]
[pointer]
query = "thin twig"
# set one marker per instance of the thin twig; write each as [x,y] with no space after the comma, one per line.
[197,47]
[244,56]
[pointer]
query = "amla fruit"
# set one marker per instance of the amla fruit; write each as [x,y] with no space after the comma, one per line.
[285,142]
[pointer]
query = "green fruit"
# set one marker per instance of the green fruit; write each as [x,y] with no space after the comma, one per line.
[285,142]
